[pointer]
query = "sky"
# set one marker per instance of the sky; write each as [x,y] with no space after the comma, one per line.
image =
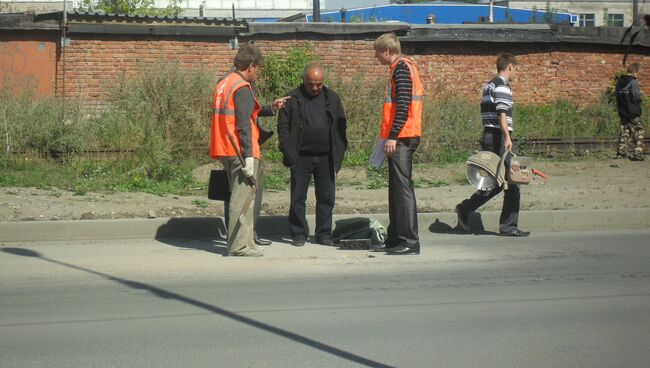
[338,4]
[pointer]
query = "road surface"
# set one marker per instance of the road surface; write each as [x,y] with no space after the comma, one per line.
[552,300]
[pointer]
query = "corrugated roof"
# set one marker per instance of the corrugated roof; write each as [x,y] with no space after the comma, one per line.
[130,18]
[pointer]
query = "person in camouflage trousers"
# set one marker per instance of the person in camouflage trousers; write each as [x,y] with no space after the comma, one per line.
[628,102]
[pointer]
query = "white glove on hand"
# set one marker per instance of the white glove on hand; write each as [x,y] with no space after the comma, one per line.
[249,165]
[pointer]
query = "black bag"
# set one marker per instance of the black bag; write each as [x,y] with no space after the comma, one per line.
[265,134]
[219,187]
[359,228]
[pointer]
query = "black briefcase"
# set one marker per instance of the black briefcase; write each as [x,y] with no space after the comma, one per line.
[219,188]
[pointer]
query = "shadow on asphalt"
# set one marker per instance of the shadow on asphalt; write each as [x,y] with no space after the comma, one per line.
[206,245]
[210,234]
[474,221]
[206,234]
[167,295]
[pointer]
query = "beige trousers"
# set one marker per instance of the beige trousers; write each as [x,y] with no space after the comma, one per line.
[239,191]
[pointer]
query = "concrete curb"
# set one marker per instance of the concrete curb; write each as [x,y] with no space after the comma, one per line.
[212,227]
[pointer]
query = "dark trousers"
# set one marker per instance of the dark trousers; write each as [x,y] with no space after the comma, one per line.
[402,207]
[492,141]
[322,170]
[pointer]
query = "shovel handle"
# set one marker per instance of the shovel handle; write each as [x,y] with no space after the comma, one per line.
[540,174]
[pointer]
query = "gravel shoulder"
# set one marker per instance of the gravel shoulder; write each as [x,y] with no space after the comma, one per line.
[584,184]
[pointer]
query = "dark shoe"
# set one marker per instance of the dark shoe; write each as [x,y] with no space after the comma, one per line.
[637,158]
[260,241]
[325,241]
[298,241]
[462,220]
[515,233]
[403,249]
[619,157]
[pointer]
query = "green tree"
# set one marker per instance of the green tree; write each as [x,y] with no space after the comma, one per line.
[131,7]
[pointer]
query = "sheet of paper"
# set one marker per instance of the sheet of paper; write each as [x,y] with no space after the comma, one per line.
[378,155]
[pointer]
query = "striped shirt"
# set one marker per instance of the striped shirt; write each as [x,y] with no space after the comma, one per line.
[402,97]
[497,98]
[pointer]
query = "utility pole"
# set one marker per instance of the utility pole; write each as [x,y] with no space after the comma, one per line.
[316,12]
[491,15]
[635,10]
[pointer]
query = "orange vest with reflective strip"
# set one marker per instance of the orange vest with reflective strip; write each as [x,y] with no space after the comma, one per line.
[223,118]
[413,125]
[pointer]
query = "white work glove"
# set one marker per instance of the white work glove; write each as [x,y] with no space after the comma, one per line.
[249,165]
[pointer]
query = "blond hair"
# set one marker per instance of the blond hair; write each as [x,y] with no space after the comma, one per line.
[388,41]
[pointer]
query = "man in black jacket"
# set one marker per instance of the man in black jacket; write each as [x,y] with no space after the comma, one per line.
[312,135]
[628,101]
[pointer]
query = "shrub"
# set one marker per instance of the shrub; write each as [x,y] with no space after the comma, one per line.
[46,126]
[283,72]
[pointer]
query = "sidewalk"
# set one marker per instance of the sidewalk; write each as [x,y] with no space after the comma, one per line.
[276,226]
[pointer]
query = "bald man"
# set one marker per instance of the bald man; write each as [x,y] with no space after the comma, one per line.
[312,135]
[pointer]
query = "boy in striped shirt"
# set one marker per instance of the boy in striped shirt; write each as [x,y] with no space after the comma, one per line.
[496,114]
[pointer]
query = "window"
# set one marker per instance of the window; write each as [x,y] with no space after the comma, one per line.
[587,20]
[615,20]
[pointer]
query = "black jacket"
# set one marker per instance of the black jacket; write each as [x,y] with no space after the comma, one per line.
[628,98]
[291,121]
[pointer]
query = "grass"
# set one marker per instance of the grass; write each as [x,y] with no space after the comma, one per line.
[157,119]
[82,176]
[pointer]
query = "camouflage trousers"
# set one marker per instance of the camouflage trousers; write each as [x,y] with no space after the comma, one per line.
[632,130]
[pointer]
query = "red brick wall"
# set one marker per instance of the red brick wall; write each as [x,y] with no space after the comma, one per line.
[546,72]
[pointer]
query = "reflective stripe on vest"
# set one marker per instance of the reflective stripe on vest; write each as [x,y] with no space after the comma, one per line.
[413,125]
[224,121]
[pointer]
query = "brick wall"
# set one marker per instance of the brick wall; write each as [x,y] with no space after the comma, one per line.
[548,70]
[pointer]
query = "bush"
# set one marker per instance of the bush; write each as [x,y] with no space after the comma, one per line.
[162,114]
[161,118]
[283,72]
[45,126]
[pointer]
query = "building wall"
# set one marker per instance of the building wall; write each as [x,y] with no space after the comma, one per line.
[597,7]
[547,71]
[29,57]
[90,65]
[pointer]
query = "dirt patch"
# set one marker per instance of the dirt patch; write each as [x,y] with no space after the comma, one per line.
[605,184]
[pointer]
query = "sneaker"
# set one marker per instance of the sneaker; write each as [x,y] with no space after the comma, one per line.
[298,241]
[637,158]
[261,241]
[619,157]
[247,252]
[462,220]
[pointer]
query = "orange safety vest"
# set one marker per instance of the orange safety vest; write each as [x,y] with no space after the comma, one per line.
[223,118]
[413,125]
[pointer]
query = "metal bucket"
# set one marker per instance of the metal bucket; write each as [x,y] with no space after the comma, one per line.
[482,168]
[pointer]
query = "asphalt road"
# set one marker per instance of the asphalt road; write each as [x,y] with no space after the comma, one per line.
[552,300]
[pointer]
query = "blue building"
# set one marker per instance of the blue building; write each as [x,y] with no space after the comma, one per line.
[444,12]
